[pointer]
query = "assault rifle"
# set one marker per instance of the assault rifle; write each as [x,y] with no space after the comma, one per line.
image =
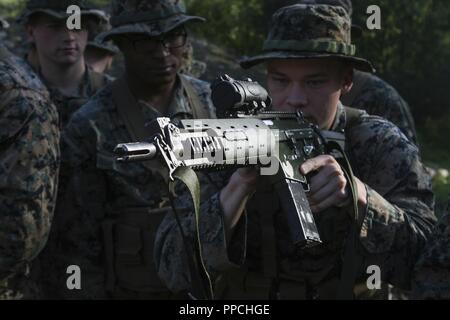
[247,135]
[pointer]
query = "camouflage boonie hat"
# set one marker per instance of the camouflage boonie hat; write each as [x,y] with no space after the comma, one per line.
[346,4]
[309,31]
[149,17]
[95,30]
[3,24]
[56,9]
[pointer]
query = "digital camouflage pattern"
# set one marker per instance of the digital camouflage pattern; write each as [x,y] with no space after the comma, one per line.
[397,221]
[377,97]
[67,104]
[432,274]
[260,259]
[101,192]
[309,31]
[346,4]
[29,164]
[150,17]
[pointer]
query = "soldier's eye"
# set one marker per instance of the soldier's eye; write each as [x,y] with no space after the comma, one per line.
[280,80]
[54,26]
[315,83]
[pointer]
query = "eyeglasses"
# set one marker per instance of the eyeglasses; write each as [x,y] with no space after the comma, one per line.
[172,40]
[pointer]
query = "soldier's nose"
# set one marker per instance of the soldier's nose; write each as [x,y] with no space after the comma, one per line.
[297,98]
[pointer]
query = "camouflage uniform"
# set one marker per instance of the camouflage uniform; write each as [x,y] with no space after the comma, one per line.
[110,211]
[29,164]
[67,104]
[92,81]
[432,274]
[260,260]
[378,98]
[372,94]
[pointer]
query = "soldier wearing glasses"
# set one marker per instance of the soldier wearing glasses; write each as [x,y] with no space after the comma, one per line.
[111,211]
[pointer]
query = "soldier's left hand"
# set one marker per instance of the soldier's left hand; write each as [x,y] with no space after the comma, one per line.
[328,185]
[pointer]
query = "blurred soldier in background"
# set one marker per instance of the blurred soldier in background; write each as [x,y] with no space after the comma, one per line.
[29,164]
[100,56]
[58,55]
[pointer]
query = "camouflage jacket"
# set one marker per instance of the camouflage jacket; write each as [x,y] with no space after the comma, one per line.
[100,192]
[378,98]
[397,220]
[432,274]
[67,105]
[29,164]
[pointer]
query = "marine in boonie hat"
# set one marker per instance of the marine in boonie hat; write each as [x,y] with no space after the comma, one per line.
[56,9]
[149,17]
[100,55]
[303,31]
[96,30]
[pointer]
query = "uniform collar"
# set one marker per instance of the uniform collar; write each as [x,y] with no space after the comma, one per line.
[340,119]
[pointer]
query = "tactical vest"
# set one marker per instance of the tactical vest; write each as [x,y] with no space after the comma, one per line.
[271,277]
[129,235]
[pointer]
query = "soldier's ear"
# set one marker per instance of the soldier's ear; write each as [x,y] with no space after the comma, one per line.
[347,79]
[29,30]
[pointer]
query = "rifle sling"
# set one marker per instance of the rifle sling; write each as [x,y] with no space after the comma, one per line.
[199,110]
[200,279]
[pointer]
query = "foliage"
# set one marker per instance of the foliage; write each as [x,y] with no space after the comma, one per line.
[234,24]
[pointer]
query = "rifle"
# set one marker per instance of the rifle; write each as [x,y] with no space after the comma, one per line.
[277,142]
